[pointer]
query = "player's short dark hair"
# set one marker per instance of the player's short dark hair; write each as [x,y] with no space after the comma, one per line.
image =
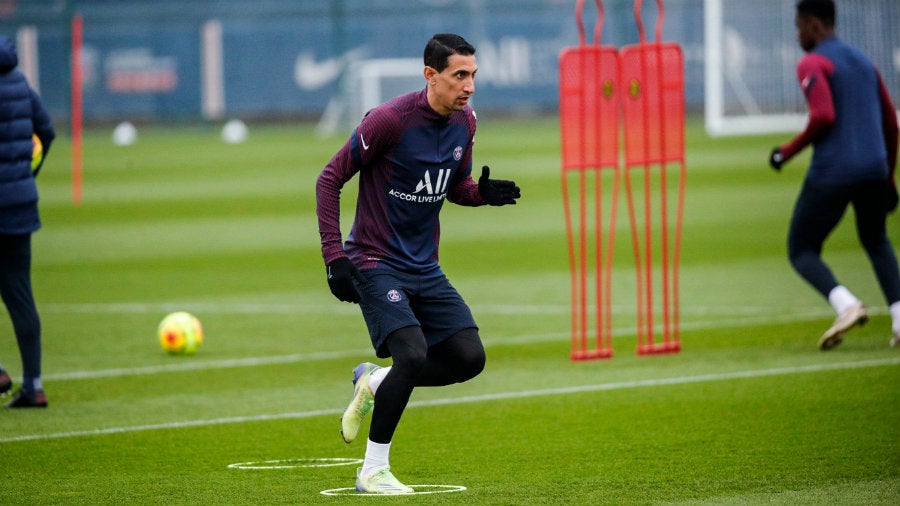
[441,46]
[821,9]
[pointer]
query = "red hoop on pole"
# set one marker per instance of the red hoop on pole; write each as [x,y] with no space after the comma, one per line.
[598,27]
[638,4]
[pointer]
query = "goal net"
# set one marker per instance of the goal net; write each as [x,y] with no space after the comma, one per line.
[751,53]
[366,84]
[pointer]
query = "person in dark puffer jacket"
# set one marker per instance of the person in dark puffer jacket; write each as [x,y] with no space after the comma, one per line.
[22,115]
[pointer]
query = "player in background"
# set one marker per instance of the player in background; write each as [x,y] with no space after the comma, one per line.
[411,153]
[853,128]
[21,116]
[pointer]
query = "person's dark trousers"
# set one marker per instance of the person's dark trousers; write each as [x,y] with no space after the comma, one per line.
[818,211]
[15,289]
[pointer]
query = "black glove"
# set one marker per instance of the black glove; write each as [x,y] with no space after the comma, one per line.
[341,276]
[776,159]
[497,192]
[890,196]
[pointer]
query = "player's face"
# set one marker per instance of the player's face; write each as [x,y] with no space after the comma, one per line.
[451,89]
[806,31]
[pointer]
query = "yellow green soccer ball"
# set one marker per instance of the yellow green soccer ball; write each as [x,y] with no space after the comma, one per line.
[180,333]
[37,153]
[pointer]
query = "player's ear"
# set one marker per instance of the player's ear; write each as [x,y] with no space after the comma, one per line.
[430,73]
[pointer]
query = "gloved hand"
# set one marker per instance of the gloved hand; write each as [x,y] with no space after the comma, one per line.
[776,159]
[341,276]
[497,192]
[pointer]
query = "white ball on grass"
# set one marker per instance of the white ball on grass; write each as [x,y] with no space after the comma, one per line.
[234,132]
[125,134]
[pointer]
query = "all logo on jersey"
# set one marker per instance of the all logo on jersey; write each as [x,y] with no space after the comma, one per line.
[439,186]
[430,189]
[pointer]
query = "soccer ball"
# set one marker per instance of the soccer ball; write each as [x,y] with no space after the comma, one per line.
[234,132]
[125,134]
[180,333]
[37,153]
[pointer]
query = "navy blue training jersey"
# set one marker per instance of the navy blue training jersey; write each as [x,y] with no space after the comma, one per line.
[410,159]
[852,123]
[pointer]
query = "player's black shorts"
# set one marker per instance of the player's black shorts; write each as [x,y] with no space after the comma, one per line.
[392,300]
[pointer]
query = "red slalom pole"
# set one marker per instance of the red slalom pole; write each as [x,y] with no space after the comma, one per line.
[76,119]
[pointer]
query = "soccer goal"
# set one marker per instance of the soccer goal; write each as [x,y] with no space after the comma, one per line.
[366,84]
[751,53]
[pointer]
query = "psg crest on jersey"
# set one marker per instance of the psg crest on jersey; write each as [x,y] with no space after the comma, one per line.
[393,296]
[457,153]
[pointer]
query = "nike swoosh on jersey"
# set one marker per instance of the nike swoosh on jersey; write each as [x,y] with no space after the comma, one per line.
[363,141]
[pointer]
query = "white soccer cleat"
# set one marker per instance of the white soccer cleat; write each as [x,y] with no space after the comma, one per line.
[381,481]
[360,404]
[895,341]
[856,315]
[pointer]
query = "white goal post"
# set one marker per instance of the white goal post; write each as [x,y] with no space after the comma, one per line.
[751,52]
[366,84]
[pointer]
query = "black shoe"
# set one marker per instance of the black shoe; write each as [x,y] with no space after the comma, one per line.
[5,383]
[24,399]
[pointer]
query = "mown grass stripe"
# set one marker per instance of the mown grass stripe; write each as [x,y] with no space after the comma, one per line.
[621,332]
[499,396]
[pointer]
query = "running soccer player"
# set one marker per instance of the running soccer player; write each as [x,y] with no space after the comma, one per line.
[412,153]
[853,127]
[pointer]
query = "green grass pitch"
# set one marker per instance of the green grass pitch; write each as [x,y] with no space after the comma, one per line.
[750,412]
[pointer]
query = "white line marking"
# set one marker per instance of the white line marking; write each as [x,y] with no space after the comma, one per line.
[602,387]
[306,308]
[199,307]
[417,490]
[203,365]
[198,365]
[759,373]
[296,463]
[739,316]
[173,425]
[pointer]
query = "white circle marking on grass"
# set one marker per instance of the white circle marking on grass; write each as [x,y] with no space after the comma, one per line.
[296,463]
[417,490]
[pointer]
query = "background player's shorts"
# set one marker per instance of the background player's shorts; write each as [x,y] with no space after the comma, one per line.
[392,300]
